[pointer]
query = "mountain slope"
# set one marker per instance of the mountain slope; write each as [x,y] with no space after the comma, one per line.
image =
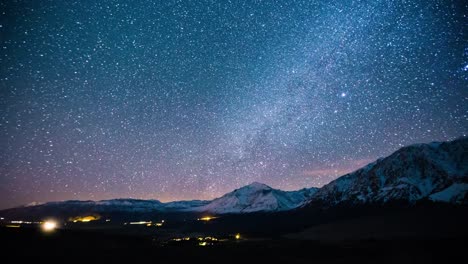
[251,198]
[435,171]
[73,208]
[257,197]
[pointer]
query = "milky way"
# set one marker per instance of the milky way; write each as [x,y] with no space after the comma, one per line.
[178,100]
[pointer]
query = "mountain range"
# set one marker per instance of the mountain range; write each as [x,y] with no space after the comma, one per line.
[436,172]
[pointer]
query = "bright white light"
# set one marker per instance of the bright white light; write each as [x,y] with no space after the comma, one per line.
[343,94]
[49,226]
[140,223]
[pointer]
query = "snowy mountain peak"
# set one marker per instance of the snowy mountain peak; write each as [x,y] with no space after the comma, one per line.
[257,197]
[257,186]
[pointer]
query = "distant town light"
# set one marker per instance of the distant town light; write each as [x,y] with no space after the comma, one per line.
[206,218]
[238,236]
[141,223]
[49,226]
[85,219]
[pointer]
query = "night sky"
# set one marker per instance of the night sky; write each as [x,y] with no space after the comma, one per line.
[178,100]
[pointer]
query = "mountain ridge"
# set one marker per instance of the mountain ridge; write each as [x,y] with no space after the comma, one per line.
[281,200]
[409,174]
[436,171]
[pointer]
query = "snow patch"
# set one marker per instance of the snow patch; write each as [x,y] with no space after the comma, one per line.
[454,193]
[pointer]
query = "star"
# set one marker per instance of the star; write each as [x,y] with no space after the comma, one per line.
[181,100]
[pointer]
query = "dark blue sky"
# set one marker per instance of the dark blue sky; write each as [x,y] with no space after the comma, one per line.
[191,99]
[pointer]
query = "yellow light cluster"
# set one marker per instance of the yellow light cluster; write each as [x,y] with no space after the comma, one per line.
[85,219]
[181,238]
[206,218]
[206,241]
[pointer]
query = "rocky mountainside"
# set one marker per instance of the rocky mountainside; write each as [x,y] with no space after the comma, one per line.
[437,171]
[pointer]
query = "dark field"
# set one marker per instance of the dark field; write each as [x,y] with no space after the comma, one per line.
[72,245]
[422,234]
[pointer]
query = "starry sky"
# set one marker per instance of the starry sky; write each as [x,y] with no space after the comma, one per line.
[175,100]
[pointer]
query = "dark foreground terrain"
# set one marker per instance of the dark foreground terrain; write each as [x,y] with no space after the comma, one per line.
[80,245]
[417,234]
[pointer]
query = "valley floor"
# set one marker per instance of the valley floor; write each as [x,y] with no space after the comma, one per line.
[79,245]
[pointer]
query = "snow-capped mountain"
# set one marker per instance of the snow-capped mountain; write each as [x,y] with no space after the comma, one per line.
[437,171]
[257,197]
[251,198]
[125,206]
[184,205]
[135,205]
[147,205]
